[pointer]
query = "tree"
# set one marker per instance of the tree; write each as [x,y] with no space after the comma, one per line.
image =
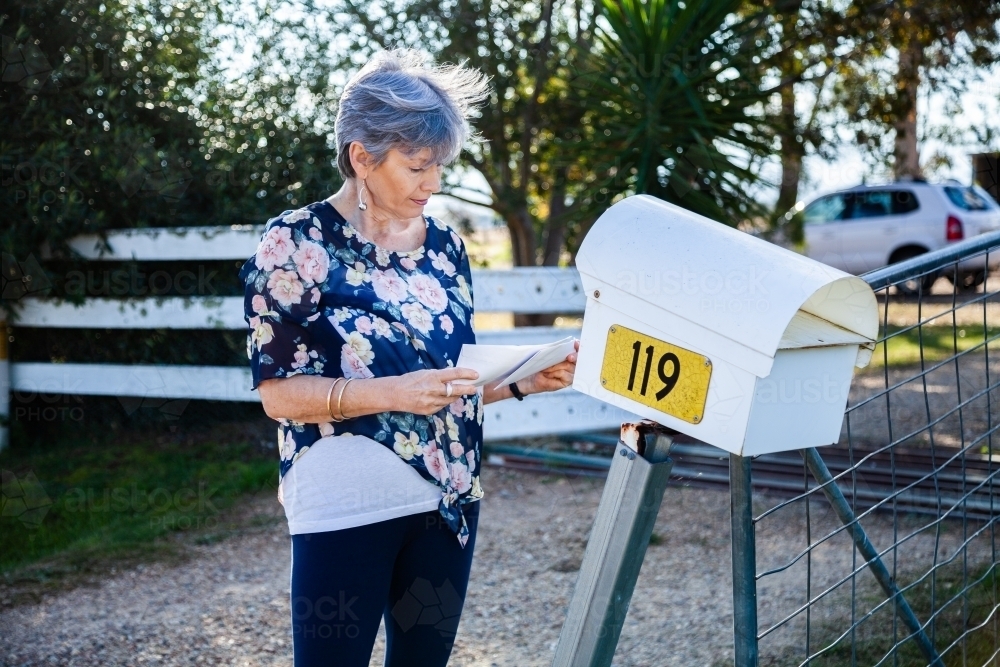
[813,34]
[150,131]
[561,138]
[673,91]
[528,50]
[813,42]
[103,74]
[937,43]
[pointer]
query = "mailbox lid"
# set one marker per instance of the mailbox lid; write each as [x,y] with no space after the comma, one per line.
[807,330]
[723,280]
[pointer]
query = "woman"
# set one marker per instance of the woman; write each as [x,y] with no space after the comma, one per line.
[358,307]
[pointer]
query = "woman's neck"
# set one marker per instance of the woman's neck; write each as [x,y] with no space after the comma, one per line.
[386,231]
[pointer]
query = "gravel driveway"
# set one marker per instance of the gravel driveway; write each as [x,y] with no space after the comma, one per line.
[228,602]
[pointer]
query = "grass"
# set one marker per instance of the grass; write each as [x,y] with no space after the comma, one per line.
[955,613]
[939,342]
[80,499]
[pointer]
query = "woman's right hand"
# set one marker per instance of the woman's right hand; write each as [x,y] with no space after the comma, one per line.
[425,392]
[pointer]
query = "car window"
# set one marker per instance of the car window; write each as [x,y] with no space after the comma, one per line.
[903,201]
[966,198]
[990,200]
[825,209]
[868,204]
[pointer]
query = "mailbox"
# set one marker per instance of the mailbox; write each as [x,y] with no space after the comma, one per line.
[715,333]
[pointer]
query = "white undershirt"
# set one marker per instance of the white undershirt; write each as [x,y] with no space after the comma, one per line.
[351,480]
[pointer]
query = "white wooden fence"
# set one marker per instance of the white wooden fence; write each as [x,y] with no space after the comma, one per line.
[520,290]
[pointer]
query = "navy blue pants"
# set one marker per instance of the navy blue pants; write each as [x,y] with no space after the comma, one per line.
[410,570]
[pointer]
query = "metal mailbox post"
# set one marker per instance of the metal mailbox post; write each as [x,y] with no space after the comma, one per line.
[625,517]
[716,334]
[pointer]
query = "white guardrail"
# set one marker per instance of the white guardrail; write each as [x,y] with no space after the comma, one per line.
[519,290]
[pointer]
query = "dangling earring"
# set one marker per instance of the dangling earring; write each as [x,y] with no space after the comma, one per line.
[362,204]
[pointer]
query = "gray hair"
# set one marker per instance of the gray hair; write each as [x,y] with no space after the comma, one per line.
[400,101]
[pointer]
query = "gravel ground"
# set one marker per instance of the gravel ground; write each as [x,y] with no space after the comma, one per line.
[963,381]
[228,602]
[938,312]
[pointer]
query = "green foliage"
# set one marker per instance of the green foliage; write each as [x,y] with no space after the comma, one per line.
[593,101]
[124,117]
[674,101]
[530,51]
[949,42]
[527,50]
[849,74]
[83,103]
[802,112]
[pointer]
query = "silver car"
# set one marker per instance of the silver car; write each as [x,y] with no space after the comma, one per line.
[869,226]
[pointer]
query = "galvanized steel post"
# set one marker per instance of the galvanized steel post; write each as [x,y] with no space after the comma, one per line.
[632,494]
[744,562]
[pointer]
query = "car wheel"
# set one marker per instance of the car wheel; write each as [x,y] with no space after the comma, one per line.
[913,286]
[968,281]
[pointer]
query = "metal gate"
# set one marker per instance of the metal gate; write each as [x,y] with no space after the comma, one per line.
[888,553]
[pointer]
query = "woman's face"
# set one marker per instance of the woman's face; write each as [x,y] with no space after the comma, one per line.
[401,186]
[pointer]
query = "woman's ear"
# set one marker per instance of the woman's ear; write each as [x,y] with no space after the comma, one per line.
[359,159]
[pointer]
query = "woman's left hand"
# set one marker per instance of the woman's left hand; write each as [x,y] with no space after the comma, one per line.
[554,377]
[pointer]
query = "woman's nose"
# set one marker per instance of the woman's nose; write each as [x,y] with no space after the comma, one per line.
[433,182]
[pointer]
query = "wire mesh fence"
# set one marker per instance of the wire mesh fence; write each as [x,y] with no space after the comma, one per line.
[887,555]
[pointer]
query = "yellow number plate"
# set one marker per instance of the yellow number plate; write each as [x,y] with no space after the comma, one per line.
[657,374]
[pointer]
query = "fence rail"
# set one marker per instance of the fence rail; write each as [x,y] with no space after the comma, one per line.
[891,558]
[518,290]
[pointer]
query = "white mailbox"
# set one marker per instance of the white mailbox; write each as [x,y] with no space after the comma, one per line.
[718,334]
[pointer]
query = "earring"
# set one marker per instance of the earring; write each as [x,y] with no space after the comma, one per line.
[362,204]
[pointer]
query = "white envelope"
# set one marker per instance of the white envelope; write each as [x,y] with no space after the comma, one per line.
[510,363]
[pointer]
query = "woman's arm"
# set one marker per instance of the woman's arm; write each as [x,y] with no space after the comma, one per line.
[549,379]
[302,398]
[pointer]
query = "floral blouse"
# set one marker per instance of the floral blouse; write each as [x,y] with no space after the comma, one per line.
[323,300]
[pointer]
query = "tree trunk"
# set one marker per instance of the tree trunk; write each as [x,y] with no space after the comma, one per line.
[555,230]
[522,246]
[555,236]
[791,154]
[789,130]
[907,154]
[522,236]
